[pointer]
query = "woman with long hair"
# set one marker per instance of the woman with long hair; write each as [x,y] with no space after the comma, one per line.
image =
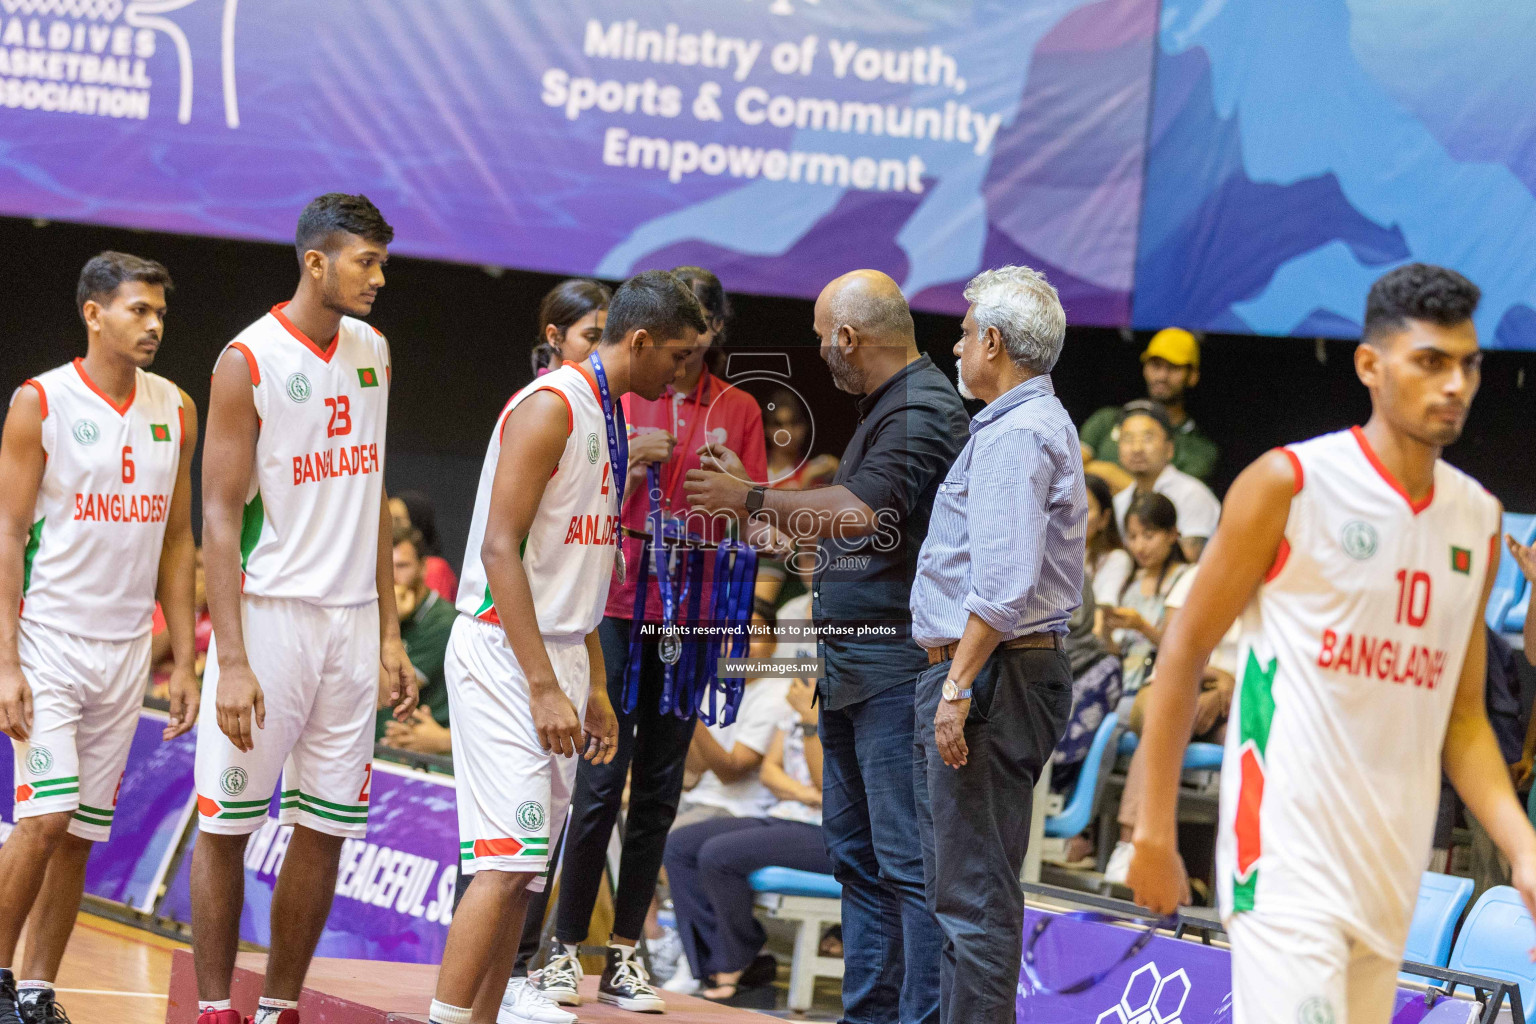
[570,324]
[1135,624]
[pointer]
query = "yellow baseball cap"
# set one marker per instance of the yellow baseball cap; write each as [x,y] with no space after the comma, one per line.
[1174,345]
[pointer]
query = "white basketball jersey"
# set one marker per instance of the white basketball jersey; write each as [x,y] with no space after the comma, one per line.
[311,529]
[570,547]
[93,559]
[1350,657]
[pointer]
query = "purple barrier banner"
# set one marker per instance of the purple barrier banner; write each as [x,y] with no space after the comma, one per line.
[1172,981]
[154,804]
[778,142]
[394,893]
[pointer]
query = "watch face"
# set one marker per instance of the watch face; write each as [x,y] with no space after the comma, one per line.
[951,691]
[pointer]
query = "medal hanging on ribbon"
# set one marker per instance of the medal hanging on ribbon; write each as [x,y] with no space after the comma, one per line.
[618,454]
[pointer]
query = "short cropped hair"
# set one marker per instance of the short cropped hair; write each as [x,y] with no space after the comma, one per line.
[105,272]
[334,214]
[1418,291]
[405,533]
[1026,311]
[657,302]
[1157,412]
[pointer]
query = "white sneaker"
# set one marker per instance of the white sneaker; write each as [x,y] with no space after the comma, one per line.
[525,1004]
[682,981]
[1119,863]
[559,979]
[665,955]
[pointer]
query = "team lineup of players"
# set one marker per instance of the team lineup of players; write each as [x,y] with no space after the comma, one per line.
[1363,536]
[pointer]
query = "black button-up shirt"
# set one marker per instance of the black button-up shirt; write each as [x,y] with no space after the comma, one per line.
[911,428]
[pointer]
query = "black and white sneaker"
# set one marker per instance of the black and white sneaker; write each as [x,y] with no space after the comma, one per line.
[626,985]
[9,1014]
[37,1007]
[558,981]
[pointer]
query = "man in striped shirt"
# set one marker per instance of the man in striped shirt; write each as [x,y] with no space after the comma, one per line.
[1000,574]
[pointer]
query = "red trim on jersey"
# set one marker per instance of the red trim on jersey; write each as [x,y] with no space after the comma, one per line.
[121,410]
[497,847]
[1386,474]
[181,420]
[325,354]
[250,361]
[570,415]
[1296,470]
[206,807]
[1493,558]
[1282,553]
[591,380]
[42,396]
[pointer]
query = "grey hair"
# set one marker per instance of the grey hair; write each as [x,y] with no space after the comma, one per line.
[872,311]
[1026,311]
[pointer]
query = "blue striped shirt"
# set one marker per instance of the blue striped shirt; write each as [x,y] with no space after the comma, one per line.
[1008,527]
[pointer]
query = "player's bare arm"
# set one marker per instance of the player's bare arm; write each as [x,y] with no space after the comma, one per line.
[394,665]
[21,467]
[533,440]
[1239,556]
[602,725]
[1476,768]
[229,460]
[176,586]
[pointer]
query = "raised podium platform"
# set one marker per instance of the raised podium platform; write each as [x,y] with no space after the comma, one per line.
[378,992]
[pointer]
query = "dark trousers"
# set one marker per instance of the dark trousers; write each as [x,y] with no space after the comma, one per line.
[891,942]
[707,869]
[656,745]
[974,822]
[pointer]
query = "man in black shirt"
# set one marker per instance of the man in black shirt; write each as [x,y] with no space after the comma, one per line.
[870,525]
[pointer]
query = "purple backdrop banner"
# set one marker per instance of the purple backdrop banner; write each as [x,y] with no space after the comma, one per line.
[394,893]
[154,803]
[778,141]
[1172,981]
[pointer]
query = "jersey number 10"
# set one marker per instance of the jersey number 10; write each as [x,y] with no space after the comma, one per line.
[1412,597]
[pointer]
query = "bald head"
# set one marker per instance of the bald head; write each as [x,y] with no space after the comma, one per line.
[872,304]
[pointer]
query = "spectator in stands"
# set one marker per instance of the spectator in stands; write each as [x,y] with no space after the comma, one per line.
[426,620]
[412,508]
[708,863]
[1211,709]
[1146,452]
[1134,625]
[727,757]
[1171,367]
[571,320]
[1106,562]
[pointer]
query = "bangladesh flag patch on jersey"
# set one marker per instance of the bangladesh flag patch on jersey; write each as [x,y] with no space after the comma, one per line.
[1461,560]
[368,377]
[160,431]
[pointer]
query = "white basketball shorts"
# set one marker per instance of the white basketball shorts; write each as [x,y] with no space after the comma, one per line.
[512,793]
[319,674]
[1295,969]
[85,710]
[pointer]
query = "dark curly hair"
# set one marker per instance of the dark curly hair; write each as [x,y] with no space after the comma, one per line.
[1418,291]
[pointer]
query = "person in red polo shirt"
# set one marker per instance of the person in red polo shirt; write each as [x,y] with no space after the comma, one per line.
[698,409]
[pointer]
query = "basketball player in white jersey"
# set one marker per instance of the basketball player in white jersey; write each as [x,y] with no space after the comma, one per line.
[1361,564]
[524,655]
[95,523]
[301,591]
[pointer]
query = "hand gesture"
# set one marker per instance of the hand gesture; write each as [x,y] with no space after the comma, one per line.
[238,701]
[649,446]
[15,703]
[718,457]
[554,719]
[601,728]
[1157,878]
[400,676]
[185,696]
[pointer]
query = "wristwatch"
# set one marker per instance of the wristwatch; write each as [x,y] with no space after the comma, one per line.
[754,501]
[952,691]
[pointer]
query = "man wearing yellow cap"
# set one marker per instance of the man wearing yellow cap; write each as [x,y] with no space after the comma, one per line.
[1171,366]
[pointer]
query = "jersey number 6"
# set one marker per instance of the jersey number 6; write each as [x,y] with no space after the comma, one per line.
[128,470]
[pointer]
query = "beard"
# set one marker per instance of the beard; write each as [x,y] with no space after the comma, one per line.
[961,386]
[845,375]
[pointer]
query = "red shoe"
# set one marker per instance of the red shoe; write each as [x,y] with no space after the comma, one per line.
[219,1017]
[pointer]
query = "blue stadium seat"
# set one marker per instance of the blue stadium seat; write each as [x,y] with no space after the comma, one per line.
[1197,756]
[1496,942]
[789,882]
[1507,600]
[1078,812]
[1442,898]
